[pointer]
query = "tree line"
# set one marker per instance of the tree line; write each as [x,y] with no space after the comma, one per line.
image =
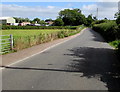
[67,17]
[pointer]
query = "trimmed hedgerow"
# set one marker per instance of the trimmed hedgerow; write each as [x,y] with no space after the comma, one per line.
[4,27]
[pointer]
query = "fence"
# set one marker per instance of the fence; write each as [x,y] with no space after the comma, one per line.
[6,43]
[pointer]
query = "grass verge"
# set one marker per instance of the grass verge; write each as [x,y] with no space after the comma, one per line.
[24,38]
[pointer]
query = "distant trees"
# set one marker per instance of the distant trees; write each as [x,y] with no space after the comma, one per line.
[42,22]
[72,17]
[118,19]
[47,20]
[20,20]
[67,17]
[58,22]
[36,20]
[89,20]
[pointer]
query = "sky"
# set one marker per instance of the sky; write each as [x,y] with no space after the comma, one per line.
[45,10]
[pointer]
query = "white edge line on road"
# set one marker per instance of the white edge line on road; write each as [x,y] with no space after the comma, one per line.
[44,50]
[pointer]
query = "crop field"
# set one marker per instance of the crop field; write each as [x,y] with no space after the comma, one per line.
[24,38]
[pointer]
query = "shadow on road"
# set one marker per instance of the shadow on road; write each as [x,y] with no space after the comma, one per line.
[96,37]
[97,63]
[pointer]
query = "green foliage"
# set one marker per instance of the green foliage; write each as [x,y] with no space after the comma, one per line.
[4,27]
[117,15]
[72,17]
[42,22]
[118,20]
[100,21]
[107,30]
[89,20]
[115,43]
[58,22]
[20,20]
[36,20]
[48,20]
[27,38]
[110,31]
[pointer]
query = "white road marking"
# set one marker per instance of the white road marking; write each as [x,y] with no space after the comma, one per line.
[44,50]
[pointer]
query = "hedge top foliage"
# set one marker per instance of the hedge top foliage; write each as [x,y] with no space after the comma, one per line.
[4,27]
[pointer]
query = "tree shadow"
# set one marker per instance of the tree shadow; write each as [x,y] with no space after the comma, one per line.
[96,37]
[100,63]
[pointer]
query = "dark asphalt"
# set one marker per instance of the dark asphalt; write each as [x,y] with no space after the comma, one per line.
[85,62]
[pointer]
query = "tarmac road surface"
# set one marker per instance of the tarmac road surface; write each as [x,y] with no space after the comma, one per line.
[85,62]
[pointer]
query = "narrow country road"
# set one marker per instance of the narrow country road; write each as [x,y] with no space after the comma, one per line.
[85,62]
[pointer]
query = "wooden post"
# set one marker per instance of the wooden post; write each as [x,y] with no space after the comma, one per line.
[11,41]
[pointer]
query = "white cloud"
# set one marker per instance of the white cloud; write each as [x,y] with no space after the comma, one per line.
[105,9]
[89,7]
[30,12]
[50,7]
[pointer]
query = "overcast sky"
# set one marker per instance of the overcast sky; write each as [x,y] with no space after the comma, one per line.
[44,10]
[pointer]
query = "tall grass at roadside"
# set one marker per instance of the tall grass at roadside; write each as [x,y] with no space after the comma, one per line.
[27,38]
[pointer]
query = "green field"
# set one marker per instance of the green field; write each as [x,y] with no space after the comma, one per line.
[24,38]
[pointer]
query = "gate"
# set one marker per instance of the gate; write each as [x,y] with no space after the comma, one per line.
[6,43]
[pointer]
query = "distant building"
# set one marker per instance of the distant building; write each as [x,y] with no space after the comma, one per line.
[7,20]
[15,24]
[24,23]
[49,23]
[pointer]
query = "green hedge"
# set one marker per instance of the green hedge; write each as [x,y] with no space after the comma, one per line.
[4,27]
[108,30]
[111,32]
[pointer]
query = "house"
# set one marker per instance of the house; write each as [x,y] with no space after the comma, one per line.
[49,23]
[24,23]
[7,20]
[15,24]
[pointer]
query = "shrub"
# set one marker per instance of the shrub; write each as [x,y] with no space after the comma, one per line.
[107,30]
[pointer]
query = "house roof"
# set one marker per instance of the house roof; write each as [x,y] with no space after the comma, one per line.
[3,18]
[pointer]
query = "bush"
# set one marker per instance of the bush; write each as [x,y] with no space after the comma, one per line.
[118,20]
[107,30]
[58,22]
[115,44]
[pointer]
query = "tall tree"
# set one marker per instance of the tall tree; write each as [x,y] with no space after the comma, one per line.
[58,22]
[48,20]
[42,22]
[72,17]
[20,20]
[89,20]
[36,20]
[118,18]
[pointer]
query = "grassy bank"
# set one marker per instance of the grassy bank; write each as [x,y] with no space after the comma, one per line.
[24,38]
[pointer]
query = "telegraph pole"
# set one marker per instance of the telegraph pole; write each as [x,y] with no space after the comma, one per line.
[97,13]
[119,7]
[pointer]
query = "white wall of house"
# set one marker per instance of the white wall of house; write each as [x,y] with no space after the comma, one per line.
[5,20]
[10,20]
